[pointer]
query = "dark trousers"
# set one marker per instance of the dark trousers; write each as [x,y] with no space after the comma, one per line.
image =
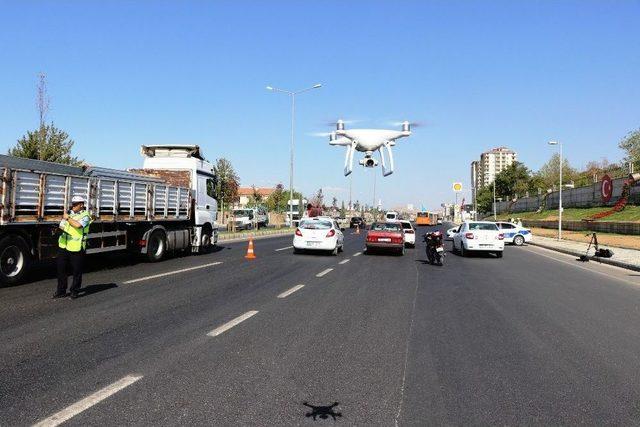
[76,260]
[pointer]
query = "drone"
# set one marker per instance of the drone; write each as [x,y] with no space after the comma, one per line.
[367,141]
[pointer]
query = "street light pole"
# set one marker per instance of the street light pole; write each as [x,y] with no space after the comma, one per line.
[559,144]
[293,123]
[495,217]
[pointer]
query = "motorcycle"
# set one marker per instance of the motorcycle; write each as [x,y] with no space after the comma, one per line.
[435,247]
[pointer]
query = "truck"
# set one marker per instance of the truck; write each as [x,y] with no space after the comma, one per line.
[167,206]
[248,218]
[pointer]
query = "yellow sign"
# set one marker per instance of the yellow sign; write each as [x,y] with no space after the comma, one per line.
[457,186]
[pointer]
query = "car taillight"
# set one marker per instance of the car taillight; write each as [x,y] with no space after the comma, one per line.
[331,233]
[142,243]
[500,236]
[298,232]
[468,236]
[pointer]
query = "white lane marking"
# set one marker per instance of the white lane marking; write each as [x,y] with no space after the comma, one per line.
[220,329]
[357,254]
[323,272]
[344,261]
[86,403]
[602,273]
[290,291]
[284,249]
[169,273]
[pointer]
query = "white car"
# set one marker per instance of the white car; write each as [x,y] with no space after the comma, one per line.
[319,233]
[514,233]
[478,236]
[409,234]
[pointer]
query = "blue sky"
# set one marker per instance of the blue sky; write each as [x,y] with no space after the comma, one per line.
[479,74]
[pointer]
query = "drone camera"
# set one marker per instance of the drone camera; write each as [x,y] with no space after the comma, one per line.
[369,162]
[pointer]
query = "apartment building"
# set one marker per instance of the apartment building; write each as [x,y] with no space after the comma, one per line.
[491,163]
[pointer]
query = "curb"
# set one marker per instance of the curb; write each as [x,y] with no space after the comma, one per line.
[598,260]
[245,236]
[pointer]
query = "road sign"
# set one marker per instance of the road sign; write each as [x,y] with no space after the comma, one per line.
[457,186]
[606,188]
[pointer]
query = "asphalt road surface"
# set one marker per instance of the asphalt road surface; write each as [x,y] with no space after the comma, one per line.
[533,338]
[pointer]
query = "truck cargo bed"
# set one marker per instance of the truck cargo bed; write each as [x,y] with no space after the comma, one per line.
[40,196]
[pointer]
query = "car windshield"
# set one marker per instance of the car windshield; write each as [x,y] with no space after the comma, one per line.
[406,225]
[385,226]
[316,225]
[242,212]
[483,226]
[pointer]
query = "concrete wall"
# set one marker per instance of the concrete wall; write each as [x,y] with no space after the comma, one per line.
[600,227]
[581,197]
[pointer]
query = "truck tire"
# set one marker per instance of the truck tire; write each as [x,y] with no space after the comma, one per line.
[207,239]
[14,259]
[156,246]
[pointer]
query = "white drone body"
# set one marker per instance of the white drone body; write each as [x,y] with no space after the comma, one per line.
[367,141]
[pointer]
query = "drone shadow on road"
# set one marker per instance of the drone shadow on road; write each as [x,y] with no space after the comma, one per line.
[322,412]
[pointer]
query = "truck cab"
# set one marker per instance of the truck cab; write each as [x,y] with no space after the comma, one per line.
[184,165]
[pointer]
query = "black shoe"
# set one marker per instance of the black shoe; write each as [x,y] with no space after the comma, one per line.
[74,295]
[58,295]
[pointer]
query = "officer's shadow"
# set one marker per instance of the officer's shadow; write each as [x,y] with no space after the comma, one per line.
[92,289]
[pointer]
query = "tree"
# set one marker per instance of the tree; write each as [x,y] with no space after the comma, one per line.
[256,198]
[356,206]
[514,180]
[318,199]
[276,200]
[226,183]
[343,211]
[484,199]
[47,143]
[550,171]
[334,203]
[631,146]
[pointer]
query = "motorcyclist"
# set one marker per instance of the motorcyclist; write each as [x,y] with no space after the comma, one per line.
[433,240]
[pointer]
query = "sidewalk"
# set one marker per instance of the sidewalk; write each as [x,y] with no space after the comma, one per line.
[244,235]
[625,258]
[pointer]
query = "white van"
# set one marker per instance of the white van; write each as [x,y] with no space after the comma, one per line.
[392,216]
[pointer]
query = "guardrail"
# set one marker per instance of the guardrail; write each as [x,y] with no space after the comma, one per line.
[226,236]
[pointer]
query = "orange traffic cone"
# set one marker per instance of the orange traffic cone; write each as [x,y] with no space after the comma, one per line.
[250,254]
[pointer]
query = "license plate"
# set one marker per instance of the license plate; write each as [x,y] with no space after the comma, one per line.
[486,246]
[310,243]
[384,240]
[439,249]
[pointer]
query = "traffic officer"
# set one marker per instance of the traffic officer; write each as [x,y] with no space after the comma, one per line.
[72,243]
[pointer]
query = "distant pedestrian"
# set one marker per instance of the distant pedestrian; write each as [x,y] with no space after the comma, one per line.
[72,245]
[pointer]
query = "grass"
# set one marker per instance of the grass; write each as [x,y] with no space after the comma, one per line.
[630,213]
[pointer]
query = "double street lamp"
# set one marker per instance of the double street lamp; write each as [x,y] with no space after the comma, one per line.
[559,144]
[293,121]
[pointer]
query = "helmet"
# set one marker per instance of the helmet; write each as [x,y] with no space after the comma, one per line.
[77,199]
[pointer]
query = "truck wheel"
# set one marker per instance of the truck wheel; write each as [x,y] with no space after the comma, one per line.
[156,246]
[206,242]
[14,259]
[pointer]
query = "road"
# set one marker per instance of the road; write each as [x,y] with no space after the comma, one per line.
[533,338]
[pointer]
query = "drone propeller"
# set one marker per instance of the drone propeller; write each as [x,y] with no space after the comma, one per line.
[332,123]
[320,134]
[402,123]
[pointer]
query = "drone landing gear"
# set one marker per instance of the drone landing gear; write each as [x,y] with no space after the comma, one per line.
[386,147]
[348,159]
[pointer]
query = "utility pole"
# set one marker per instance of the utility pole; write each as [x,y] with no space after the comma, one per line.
[495,217]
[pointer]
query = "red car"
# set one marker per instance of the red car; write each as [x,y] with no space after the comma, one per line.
[387,236]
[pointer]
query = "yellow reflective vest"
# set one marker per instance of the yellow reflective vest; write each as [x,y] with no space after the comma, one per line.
[75,239]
